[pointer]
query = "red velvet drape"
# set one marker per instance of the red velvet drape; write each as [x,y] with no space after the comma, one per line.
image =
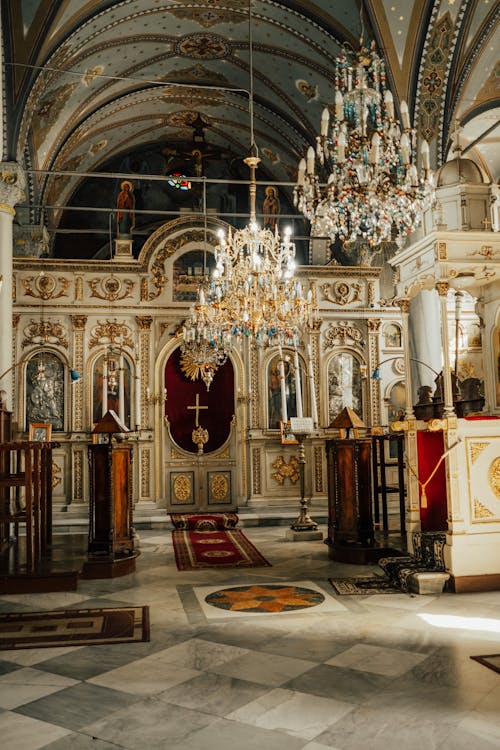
[181,393]
[430,448]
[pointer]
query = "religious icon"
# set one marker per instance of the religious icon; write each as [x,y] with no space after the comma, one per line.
[125,204]
[271,207]
[274,391]
[40,432]
[392,336]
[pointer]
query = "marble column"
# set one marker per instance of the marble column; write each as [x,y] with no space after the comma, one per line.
[448,409]
[404,306]
[424,312]
[12,183]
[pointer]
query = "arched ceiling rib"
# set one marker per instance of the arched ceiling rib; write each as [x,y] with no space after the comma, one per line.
[92,79]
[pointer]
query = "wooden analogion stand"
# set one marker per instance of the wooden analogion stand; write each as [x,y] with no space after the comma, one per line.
[111,535]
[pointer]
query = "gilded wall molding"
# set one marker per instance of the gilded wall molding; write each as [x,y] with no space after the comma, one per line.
[111,289]
[285,470]
[45,286]
[145,458]
[256,472]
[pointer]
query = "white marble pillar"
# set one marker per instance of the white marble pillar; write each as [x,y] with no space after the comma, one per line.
[404,305]
[12,182]
[425,350]
[448,408]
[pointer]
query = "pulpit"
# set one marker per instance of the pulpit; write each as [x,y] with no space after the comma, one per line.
[111,534]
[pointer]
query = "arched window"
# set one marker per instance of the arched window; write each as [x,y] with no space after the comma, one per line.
[45,391]
[344,385]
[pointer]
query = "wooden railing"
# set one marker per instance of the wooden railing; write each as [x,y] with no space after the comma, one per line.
[26,495]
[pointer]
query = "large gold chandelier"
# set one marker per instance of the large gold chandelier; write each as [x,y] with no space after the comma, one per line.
[373,191]
[253,294]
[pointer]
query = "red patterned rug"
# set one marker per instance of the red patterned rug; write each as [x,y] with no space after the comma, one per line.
[227,548]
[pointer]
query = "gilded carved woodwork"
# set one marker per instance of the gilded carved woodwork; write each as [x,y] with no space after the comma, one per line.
[494,477]
[285,470]
[342,333]
[191,368]
[182,489]
[145,471]
[78,288]
[219,487]
[256,472]
[56,475]
[342,292]
[79,322]
[111,332]
[78,475]
[476,449]
[318,469]
[481,511]
[45,332]
[45,286]
[111,289]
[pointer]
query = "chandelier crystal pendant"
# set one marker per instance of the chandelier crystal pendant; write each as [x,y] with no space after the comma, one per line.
[253,294]
[374,191]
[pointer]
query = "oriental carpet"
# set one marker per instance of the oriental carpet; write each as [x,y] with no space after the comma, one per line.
[74,627]
[366,586]
[226,548]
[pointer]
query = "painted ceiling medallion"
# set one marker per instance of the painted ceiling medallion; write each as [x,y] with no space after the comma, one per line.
[203,46]
[213,15]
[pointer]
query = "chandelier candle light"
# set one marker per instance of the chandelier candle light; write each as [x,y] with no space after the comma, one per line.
[374,190]
[253,294]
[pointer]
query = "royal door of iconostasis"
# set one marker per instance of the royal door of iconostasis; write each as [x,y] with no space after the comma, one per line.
[200,424]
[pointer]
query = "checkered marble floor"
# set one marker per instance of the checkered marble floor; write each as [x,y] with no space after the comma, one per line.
[384,671]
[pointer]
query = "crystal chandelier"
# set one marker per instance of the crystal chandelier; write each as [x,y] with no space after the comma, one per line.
[253,294]
[374,191]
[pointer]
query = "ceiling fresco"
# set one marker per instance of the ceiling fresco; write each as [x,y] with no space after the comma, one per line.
[90,82]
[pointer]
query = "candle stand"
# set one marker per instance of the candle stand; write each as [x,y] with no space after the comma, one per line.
[304,528]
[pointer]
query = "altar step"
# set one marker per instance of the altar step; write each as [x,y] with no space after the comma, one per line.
[151,517]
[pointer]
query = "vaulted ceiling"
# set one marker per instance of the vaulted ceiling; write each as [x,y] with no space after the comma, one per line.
[92,81]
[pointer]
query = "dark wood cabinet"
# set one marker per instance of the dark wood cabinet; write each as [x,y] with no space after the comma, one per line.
[111,534]
[351,536]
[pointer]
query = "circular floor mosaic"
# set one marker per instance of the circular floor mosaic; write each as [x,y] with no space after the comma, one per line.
[267,598]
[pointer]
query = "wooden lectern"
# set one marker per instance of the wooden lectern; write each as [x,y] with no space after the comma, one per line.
[111,534]
[351,535]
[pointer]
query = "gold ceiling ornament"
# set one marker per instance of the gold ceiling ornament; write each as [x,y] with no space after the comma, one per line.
[494,477]
[286,470]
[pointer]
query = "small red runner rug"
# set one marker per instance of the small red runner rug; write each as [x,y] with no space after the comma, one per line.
[215,549]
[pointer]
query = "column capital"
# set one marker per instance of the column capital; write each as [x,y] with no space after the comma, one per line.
[144,322]
[12,184]
[78,322]
[442,288]
[404,304]
[373,325]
